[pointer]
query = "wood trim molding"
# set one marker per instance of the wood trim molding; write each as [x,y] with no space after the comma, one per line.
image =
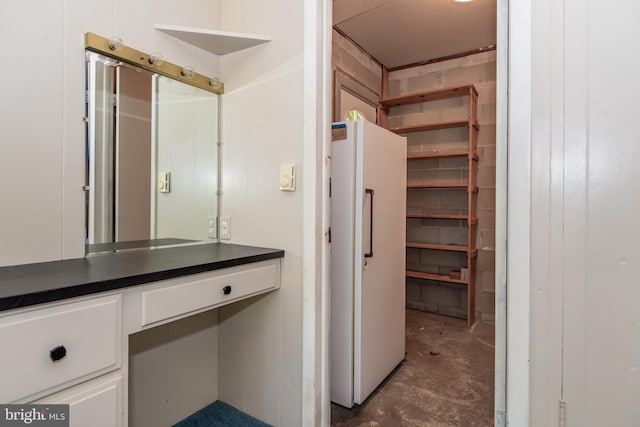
[445,58]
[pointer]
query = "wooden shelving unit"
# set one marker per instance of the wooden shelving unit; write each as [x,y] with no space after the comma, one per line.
[471,123]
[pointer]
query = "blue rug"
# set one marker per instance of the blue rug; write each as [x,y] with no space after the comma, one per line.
[219,414]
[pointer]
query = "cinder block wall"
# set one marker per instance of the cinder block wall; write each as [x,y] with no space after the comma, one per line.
[352,61]
[479,69]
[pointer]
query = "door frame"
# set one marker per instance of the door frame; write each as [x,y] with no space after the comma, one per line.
[513,214]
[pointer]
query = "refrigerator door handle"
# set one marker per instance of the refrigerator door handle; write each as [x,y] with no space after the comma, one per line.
[370,253]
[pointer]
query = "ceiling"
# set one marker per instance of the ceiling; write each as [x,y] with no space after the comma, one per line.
[402,32]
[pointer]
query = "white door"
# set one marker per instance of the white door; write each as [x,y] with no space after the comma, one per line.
[380,256]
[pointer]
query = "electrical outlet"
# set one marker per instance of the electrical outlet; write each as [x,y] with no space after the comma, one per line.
[212,229]
[225,228]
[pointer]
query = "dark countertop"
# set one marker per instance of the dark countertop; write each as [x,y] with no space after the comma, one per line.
[30,284]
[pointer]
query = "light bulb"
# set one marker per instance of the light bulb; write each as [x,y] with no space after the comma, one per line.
[156,58]
[115,43]
[188,72]
[215,83]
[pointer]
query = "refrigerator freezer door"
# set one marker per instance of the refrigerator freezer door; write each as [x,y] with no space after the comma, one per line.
[379,297]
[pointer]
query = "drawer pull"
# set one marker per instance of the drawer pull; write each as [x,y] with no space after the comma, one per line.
[226,290]
[58,353]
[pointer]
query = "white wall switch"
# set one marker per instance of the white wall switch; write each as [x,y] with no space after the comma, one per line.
[225,228]
[287,177]
[164,182]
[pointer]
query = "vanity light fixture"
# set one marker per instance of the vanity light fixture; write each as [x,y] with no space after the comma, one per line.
[188,72]
[156,58]
[154,62]
[115,43]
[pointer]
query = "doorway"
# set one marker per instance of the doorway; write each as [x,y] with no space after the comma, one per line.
[359,83]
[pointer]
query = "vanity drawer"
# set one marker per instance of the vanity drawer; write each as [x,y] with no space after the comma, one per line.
[208,290]
[86,335]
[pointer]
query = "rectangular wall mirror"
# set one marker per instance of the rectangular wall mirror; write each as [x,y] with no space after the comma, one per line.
[152,157]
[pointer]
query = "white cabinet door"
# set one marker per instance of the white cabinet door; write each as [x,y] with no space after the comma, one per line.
[95,403]
[86,333]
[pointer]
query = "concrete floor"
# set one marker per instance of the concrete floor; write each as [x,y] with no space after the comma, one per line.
[445,381]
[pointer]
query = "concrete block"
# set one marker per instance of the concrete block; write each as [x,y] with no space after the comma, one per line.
[486,91]
[487,135]
[413,291]
[487,114]
[486,240]
[424,164]
[454,163]
[420,82]
[486,177]
[413,259]
[490,72]
[417,203]
[488,280]
[487,198]
[423,234]
[414,176]
[486,219]
[422,306]
[485,302]
[486,261]
[489,318]
[441,295]
[441,176]
[451,199]
[453,236]
[461,75]
[487,155]
[458,312]
[447,259]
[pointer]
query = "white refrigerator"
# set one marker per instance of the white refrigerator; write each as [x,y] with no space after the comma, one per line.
[368,218]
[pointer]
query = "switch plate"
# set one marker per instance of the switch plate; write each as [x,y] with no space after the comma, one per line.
[287,177]
[164,182]
[212,229]
[225,228]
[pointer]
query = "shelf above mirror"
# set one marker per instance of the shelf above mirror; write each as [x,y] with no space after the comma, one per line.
[214,41]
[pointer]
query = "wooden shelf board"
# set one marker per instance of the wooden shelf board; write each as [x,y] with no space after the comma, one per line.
[436,246]
[441,154]
[430,126]
[437,216]
[431,95]
[432,276]
[417,186]
[433,126]
[214,41]
[473,221]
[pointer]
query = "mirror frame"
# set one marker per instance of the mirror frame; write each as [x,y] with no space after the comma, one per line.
[113,48]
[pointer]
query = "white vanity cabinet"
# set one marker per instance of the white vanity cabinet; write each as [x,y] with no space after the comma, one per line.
[55,346]
[51,347]
[76,351]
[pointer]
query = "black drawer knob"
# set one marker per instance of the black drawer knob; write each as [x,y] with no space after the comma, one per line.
[58,353]
[226,290]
